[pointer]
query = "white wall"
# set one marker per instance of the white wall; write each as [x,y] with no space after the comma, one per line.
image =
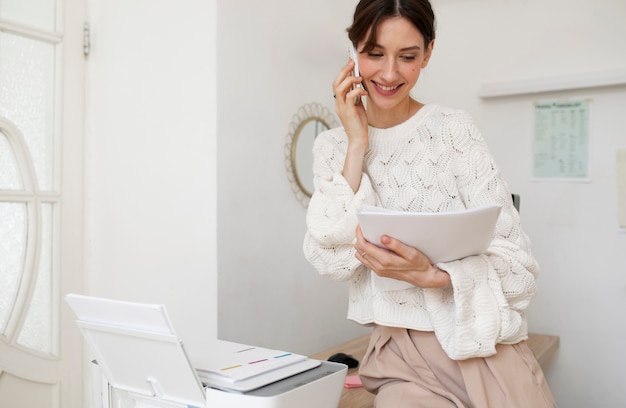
[151,160]
[156,226]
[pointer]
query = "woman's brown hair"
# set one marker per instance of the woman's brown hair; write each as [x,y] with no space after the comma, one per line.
[370,13]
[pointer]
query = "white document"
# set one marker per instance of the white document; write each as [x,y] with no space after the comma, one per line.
[442,237]
[259,380]
[248,362]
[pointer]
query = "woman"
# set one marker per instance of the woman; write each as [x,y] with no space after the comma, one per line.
[457,337]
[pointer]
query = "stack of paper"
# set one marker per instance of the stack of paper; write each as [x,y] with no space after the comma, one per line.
[251,367]
[442,237]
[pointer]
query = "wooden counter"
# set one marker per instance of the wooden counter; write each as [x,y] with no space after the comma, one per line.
[544,346]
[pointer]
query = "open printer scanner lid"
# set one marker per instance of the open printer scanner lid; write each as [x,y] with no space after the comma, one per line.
[137,349]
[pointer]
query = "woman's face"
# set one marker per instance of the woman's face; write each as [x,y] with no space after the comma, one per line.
[392,67]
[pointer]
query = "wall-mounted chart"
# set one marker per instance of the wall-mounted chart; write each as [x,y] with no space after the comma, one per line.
[561,139]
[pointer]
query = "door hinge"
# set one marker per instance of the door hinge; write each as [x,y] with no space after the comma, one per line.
[86,39]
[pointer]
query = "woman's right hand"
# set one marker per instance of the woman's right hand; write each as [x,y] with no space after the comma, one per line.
[352,115]
[354,120]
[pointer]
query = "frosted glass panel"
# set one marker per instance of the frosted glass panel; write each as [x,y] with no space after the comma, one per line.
[13,227]
[37,330]
[37,13]
[9,179]
[27,98]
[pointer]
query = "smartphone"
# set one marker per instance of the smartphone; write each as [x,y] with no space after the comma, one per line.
[354,56]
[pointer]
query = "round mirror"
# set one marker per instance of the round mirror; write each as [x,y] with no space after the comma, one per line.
[301,157]
[310,120]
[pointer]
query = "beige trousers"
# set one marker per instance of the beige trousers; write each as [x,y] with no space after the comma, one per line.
[408,368]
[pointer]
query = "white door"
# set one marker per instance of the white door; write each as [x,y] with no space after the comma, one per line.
[41,195]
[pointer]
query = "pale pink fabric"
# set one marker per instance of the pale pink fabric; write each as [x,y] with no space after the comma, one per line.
[408,368]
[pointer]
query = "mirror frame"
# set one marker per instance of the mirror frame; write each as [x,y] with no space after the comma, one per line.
[307,113]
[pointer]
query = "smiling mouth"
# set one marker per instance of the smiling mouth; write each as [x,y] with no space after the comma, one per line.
[386,88]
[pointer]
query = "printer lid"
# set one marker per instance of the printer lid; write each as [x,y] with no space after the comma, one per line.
[137,349]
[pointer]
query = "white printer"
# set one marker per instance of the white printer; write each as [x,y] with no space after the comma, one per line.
[140,356]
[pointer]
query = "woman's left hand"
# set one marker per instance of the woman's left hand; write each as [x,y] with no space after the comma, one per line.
[399,261]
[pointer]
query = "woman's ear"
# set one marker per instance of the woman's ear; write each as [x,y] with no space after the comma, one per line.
[428,53]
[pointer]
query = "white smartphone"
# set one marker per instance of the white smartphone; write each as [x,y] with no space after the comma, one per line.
[354,56]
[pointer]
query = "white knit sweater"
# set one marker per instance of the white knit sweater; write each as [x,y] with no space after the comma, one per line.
[436,161]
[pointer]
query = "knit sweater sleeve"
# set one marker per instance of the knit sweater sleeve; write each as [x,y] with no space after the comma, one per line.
[331,215]
[490,291]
